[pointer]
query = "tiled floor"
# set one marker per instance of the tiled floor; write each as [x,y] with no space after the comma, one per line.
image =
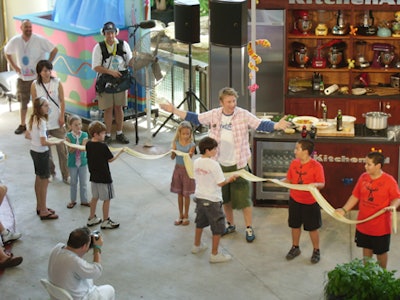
[149,257]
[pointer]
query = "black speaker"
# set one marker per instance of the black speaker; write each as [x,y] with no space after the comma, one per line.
[228,23]
[187,23]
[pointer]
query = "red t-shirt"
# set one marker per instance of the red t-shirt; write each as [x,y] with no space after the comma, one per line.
[310,172]
[373,195]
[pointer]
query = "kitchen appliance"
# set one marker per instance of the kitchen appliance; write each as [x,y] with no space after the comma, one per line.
[319,60]
[362,132]
[341,28]
[382,51]
[366,26]
[336,55]
[395,80]
[322,29]
[273,160]
[376,120]
[302,22]
[299,55]
[361,61]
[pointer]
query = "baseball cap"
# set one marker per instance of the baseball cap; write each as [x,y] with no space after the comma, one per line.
[109,26]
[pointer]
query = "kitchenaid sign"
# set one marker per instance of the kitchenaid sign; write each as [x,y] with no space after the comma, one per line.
[343,159]
[355,2]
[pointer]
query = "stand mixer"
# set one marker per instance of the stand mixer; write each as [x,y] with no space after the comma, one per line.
[383,55]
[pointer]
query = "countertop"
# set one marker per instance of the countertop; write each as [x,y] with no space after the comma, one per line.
[393,137]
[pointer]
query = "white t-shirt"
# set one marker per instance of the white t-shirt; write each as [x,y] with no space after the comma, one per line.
[227,154]
[54,111]
[117,63]
[27,54]
[207,174]
[36,134]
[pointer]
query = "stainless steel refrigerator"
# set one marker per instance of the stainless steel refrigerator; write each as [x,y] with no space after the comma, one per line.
[269,96]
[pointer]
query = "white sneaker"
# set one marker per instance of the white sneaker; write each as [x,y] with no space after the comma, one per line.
[10,236]
[109,224]
[220,257]
[198,249]
[93,221]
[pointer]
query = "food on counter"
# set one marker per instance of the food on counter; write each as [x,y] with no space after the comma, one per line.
[323,125]
[308,121]
[289,130]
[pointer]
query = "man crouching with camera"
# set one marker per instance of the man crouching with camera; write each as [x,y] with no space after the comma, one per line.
[68,270]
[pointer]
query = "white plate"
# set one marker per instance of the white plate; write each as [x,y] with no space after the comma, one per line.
[348,119]
[358,91]
[308,121]
[323,125]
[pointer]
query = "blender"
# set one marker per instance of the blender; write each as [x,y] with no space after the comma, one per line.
[367,24]
[341,28]
[361,61]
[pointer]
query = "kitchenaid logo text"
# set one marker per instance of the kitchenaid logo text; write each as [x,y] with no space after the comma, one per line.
[355,2]
[343,159]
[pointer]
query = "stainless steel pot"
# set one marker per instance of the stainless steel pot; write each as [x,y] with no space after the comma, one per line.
[376,120]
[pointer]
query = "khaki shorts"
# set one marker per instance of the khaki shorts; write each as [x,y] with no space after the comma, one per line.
[237,192]
[107,100]
[24,92]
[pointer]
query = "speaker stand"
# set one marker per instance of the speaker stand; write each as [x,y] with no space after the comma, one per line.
[190,95]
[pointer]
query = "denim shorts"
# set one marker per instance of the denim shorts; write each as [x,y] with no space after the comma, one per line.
[41,162]
[209,213]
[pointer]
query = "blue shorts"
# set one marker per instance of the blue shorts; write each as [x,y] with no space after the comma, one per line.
[209,213]
[41,162]
[378,244]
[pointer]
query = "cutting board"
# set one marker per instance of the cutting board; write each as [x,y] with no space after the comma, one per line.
[348,131]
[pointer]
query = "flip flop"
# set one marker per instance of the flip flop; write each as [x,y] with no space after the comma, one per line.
[178,222]
[185,222]
[49,209]
[12,261]
[71,205]
[85,204]
[49,217]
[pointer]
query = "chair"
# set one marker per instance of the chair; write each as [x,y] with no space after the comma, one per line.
[55,292]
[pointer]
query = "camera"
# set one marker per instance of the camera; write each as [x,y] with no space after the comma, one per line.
[94,235]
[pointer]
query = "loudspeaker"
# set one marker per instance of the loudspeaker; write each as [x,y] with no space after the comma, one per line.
[187,23]
[228,23]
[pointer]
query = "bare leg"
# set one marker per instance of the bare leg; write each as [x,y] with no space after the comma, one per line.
[22,114]
[93,205]
[314,235]
[41,194]
[108,117]
[382,259]
[215,243]
[197,236]
[106,209]
[119,117]
[180,206]
[296,232]
[228,213]
[247,214]
[186,210]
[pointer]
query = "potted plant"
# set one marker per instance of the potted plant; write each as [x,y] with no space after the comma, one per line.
[361,280]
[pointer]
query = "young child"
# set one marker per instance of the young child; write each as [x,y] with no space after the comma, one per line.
[303,208]
[374,190]
[99,156]
[40,155]
[209,180]
[181,183]
[77,162]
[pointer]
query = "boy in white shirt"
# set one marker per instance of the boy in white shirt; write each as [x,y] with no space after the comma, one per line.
[209,180]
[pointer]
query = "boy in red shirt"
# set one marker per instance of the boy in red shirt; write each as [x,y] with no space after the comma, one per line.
[303,208]
[374,191]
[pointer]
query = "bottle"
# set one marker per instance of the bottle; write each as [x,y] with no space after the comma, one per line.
[339,121]
[304,132]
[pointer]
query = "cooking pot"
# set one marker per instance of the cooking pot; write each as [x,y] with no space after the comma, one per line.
[376,120]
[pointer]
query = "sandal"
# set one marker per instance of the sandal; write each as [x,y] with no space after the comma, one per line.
[86,204]
[12,261]
[49,217]
[178,222]
[185,222]
[49,209]
[71,205]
